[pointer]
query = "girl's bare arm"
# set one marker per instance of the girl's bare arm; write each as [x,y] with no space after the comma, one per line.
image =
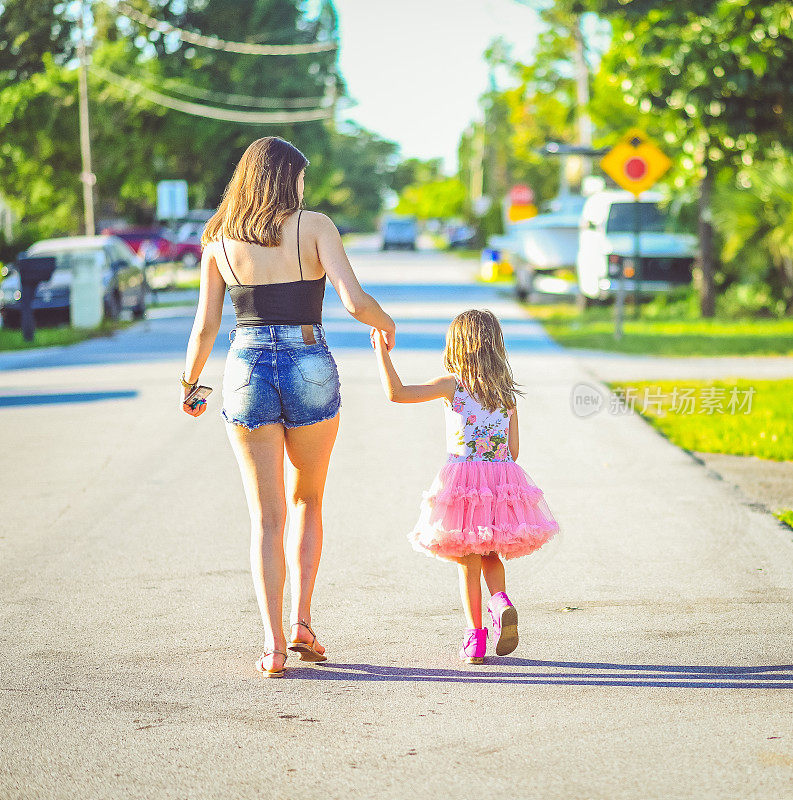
[514,443]
[396,391]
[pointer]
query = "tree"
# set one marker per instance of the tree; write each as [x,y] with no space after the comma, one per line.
[29,30]
[721,74]
[442,198]
[355,171]
[187,141]
[414,170]
[754,208]
[136,143]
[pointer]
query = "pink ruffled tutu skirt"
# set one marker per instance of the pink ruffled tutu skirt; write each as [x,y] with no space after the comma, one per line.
[478,507]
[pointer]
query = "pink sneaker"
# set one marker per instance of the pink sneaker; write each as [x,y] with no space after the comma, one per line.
[474,645]
[505,623]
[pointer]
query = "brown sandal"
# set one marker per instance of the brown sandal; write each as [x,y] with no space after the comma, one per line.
[307,651]
[271,673]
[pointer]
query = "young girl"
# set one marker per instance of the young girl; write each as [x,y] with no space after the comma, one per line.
[481,506]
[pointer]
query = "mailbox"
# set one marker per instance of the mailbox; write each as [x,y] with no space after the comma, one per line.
[32,270]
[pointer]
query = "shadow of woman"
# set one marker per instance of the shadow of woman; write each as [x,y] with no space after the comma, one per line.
[577,673]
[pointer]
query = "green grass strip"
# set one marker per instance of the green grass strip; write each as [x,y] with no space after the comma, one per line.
[11,339]
[737,417]
[594,330]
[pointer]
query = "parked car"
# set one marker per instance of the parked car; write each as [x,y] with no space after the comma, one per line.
[607,241]
[460,236]
[154,245]
[122,275]
[400,232]
[187,244]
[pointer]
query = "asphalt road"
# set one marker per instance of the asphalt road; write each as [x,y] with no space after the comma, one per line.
[655,656]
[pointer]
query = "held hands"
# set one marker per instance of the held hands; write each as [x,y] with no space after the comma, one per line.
[379,342]
[388,334]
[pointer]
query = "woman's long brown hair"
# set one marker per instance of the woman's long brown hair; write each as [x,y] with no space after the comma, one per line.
[261,194]
[475,352]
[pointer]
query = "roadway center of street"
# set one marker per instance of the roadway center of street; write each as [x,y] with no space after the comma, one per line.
[655,633]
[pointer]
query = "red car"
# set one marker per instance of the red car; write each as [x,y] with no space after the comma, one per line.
[159,245]
[153,245]
[188,251]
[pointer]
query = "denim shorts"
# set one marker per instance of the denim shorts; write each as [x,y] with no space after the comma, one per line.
[273,375]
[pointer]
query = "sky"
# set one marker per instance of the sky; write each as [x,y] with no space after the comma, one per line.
[416,67]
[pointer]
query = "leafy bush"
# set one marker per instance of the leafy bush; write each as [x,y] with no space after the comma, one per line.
[742,300]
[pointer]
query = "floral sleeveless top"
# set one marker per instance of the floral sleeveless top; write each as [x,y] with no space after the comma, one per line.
[473,433]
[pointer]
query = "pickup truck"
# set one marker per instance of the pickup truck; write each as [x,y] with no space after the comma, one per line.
[606,247]
[579,245]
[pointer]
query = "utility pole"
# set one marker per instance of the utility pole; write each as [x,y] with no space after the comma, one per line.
[87,176]
[582,90]
[477,160]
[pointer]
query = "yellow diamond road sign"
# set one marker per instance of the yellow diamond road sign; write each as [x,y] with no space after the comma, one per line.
[635,162]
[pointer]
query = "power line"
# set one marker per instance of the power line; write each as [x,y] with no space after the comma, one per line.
[214,43]
[210,112]
[245,99]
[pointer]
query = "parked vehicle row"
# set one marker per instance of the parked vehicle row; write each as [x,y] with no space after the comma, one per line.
[587,246]
[157,245]
[123,278]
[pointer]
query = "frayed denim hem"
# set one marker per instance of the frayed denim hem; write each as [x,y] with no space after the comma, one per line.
[234,421]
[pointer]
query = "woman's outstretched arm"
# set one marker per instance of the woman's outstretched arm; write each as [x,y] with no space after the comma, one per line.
[359,304]
[396,391]
[206,325]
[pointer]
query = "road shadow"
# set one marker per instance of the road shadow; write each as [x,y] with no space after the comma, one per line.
[12,400]
[566,673]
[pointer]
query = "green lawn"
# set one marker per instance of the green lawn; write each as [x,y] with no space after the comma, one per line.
[187,283]
[665,334]
[11,339]
[679,409]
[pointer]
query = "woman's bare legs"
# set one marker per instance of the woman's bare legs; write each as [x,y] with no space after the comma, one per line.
[260,455]
[308,448]
[493,570]
[470,570]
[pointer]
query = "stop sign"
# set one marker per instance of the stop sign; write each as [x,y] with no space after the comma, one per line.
[521,195]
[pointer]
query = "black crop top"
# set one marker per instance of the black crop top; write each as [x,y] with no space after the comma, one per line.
[291,303]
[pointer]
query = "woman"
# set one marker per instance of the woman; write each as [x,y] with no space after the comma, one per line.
[280,384]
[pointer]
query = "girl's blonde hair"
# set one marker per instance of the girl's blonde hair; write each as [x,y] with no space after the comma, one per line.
[475,352]
[261,194]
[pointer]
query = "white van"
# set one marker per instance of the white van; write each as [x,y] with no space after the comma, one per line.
[607,242]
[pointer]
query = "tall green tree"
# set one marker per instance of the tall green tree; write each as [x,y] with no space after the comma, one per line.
[190,144]
[135,143]
[29,31]
[721,74]
[754,210]
[415,170]
[440,198]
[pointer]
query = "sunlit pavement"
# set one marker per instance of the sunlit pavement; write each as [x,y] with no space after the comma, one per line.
[655,634]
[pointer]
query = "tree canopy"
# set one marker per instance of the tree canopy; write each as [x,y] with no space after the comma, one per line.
[136,143]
